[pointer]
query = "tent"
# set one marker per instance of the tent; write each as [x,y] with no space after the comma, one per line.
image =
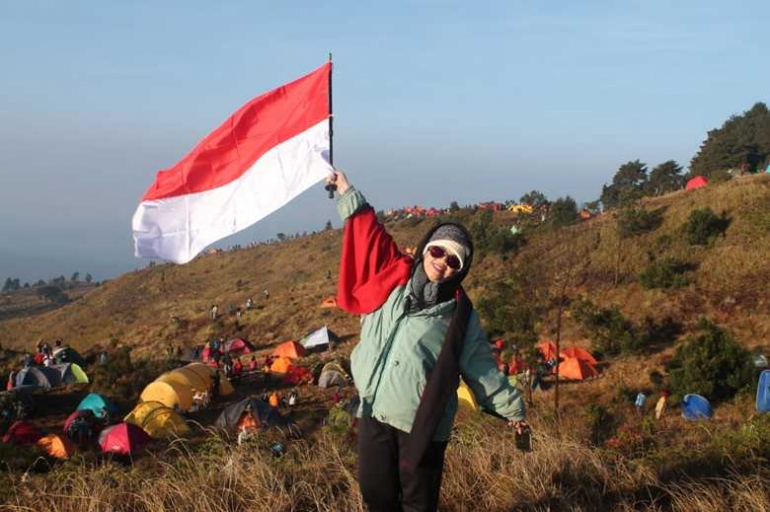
[465,398]
[158,421]
[170,393]
[57,446]
[763,392]
[38,376]
[332,374]
[280,365]
[237,347]
[88,414]
[71,373]
[548,349]
[316,339]
[696,407]
[296,375]
[123,439]
[99,405]
[696,183]
[520,208]
[262,413]
[68,355]
[579,353]
[290,349]
[329,302]
[201,370]
[185,377]
[22,432]
[576,369]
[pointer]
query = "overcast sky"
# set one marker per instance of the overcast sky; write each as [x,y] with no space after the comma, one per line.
[434,101]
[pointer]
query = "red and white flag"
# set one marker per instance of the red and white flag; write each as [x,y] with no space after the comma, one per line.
[265,154]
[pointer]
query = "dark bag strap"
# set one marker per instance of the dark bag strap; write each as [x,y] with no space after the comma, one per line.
[442,384]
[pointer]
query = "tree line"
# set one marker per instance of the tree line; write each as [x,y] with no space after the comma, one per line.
[13,284]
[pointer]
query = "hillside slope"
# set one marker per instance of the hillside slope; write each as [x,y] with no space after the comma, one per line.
[169,304]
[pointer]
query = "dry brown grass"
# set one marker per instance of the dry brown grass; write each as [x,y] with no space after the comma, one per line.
[483,472]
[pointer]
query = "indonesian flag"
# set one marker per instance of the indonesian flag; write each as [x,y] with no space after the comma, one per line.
[264,155]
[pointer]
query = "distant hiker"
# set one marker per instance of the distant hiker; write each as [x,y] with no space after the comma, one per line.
[266,294]
[641,399]
[660,407]
[405,416]
[252,364]
[274,400]
[249,304]
[293,397]
[214,311]
[39,358]
[103,357]
[237,312]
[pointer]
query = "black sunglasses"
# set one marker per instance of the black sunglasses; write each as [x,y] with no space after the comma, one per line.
[438,252]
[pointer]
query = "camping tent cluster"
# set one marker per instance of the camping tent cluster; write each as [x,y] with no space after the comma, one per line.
[236,347]
[177,389]
[51,376]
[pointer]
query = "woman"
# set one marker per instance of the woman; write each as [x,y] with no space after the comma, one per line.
[419,333]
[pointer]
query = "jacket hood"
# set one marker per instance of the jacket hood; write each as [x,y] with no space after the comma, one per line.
[446,289]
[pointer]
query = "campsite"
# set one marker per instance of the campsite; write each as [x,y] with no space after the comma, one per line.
[147,361]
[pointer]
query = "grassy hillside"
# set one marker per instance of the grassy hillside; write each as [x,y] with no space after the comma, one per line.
[595,454]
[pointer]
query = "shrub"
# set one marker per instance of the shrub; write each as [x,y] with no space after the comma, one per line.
[703,226]
[711,364]
[507,309]
[491,239]
[636,221]
[665,273]
[610,332]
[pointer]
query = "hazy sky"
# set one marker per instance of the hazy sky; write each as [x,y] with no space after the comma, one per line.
[434,101]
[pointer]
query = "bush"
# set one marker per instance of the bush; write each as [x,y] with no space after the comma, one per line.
[711,364]
[637,221]
[665,273]
[703,226]
[507,309]
[610,332]
[491,239]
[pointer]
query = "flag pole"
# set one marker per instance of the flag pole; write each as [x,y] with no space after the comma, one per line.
[331,187]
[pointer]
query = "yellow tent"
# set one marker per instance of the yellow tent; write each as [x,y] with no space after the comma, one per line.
[465,398]
[203,371]
[57,446]
[141,411]
[184,377]
[171,394]
[163,423]
[520,208]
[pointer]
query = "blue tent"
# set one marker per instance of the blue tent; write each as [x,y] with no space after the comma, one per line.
[695,407]
[763,392]
[38,376]
[99,405]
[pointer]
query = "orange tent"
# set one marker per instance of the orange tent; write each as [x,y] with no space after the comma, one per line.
[576,369]
[57,446]
[280,365]
[290,349]
[697,182]
[330,302]
[548,349]
[578,353]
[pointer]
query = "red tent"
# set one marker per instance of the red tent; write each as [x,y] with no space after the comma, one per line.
[548,349]
[579,353]
[298,375]
[22,432]
[697,182]
[123,439]
[238,347]
[290,349]
[576,369]
[88,414]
